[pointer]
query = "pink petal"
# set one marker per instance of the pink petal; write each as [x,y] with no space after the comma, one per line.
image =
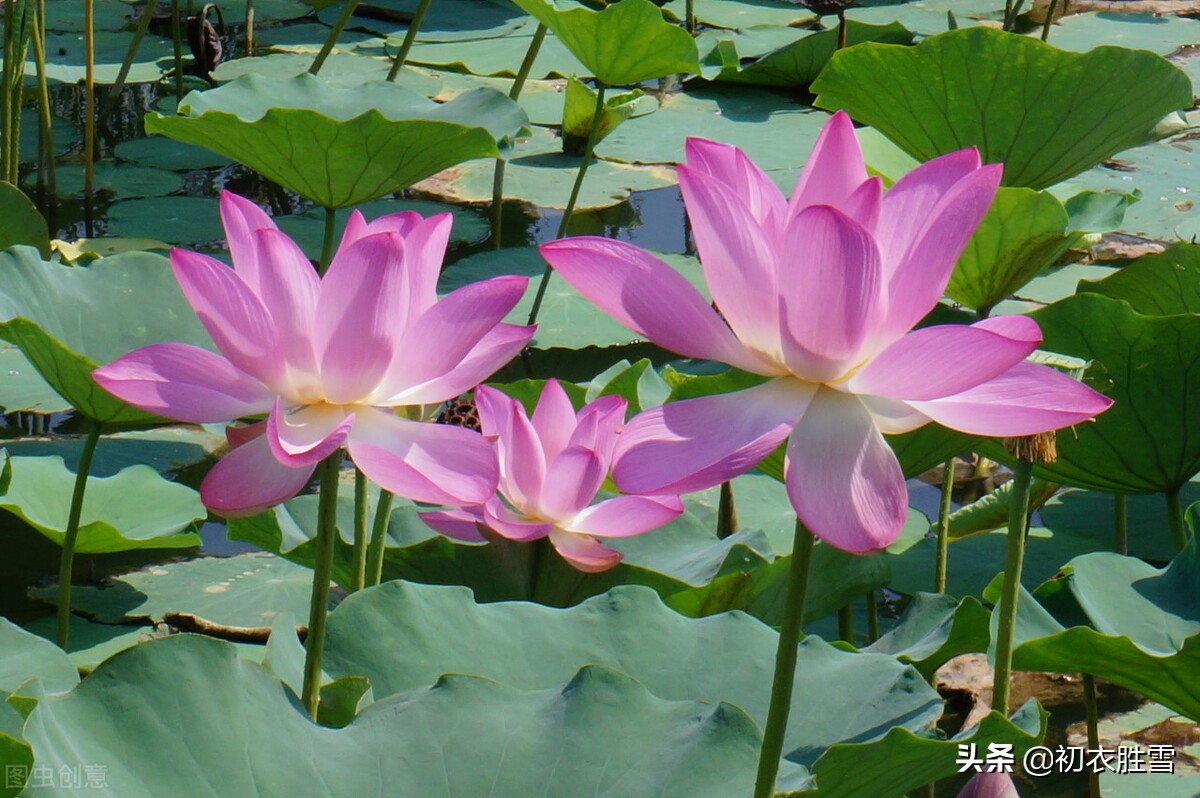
[554,419]
[422,461]
[893,417]
[497,347]
[508,524]
[843,479]
[834,169]
[522,464]
[457,524]
[436,342]
[1025,400]
[583,552]
[308,435]
[571,483]
[739,259]
[989,785]
[831,303]
[184,382]
[289,291]
[650,298]
[363,291]
[732,167]
[241,218]
[625,516]
[241,434]
[425,243]
[495,411]
[697,443]
[249,479]
[939,361]
[598,426]
[233,315]
[865,204]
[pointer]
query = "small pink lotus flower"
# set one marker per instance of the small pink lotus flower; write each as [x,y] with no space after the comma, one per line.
[818,294]
[330,359]
[989,785]
[551,467]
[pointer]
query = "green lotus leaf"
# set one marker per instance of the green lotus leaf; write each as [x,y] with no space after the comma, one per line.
[176,220]
[20,222]
[164,153]
[1158,33]
[1156,285]
[348,69]
[445,21]
[65,62]
[126,181]
[68,321]
[1044,113]
[27,656]
[624,43]
[618,738]
[333,144]
[722,14]
[133,509]
[16,757]
[23,388]
[498,56]
[930,17]
[403,635]
[934,630]
[579,108]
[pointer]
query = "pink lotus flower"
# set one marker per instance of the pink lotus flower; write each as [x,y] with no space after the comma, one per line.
[330,359]
[551,467]
[989,785]
[818,294]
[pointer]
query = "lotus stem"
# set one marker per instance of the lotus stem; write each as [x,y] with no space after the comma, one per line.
[941,563]
[514,93]
[727,520]
[1179,535]
[1093,730]
[841,43]
[342,21]
[114,93]
[360,531]
[414,28]
[846,623]
[872,617]
[314,644]
[1018,522]
[593,132]
[785,663]
[7,122]
[383,514]
[177,35]
[249,27]
[45,121]
[89,113]
[1049,20]
[1121,523]
[327,241]
[690,17]
[71,535]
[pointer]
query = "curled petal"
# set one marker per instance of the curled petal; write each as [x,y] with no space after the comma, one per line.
[497,347]
[732,167]
[308,435]
[625,516]
[834,169]
[508,524]
[458,524]
[650,298]
[584,552]
[1025,400]
[697,443]
[843,479]
[250,479]
[184,382]
[553,419]
[426,462]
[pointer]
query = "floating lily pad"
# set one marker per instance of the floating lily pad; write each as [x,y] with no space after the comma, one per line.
[164,153]
[976,102]
[84,250]
[446,20]
[930,17]
[722,14]
[339,68]
[294,131]
[307,37]
[167,449]
[65,58]
[107,15]
[538,172]
[1158,33]
[176,220]
[264,10]
[20,222]
[66,135]
[497,56]
[126,181]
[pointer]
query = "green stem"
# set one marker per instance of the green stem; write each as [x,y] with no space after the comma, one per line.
[89,113]
[593,131]
[361,509]
[1179,535]
[514,93]
[327,241]
[1049,20]
[383,514]
[330,40]
[414,27]
[1121,523]
[177,36]
[943,530]
[872,617]
[1018,521]
[314,643]
[727,520]
[71,536]
[44,119]
[846,623]
[7,122]
[114,93]
[249,28]
[785,663]
[1093,730]
[841,42]
[690,17]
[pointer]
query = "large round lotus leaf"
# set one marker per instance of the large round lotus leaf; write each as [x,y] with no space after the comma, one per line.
[246,590]
[308,229]
[445,20]
[1150,366]
[1158,33]
[540,173]
[347,69]
[20,222]
[175,220]
[66,135]
[334,145]
[27,656]
[775,134]
[797,62]
[723,14]
[167,450]
[125,181]
[65,57]
[1068,111]
[928,17]
[63,16]
[69,320]
[306,37]
[497,56]
[936,628]
[611,737]
[624,43]
[164,153]
[403,635]
[22,388]
[134,509]
[1157,285]
[1091,513]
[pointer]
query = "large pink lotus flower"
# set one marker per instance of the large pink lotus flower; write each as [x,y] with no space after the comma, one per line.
[551,468]
[330,359]
[818,294]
